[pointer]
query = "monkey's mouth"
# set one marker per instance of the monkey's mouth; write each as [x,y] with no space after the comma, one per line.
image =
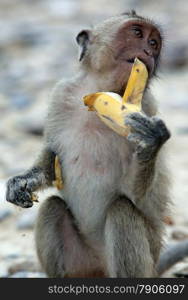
[131,61]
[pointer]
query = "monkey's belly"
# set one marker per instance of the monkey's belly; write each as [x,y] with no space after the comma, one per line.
[88,192]
[88,207]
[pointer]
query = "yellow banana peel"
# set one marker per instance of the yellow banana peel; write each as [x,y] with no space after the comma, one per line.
[112,108]
[34,197]
[58,183]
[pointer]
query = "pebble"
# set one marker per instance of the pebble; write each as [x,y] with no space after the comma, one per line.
[179,235]
[25,263]
[179,232]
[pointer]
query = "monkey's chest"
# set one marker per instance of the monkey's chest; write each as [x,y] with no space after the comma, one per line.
[92,158]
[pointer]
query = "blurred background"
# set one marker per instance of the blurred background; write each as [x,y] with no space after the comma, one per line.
[37,48]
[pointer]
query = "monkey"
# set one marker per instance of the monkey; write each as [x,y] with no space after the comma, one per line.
[107,221]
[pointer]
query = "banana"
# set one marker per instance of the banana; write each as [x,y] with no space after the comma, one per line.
[34,197]
[112,108]
[58,183]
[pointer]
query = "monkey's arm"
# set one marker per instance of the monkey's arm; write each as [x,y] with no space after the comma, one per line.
[41,175]
[147,182]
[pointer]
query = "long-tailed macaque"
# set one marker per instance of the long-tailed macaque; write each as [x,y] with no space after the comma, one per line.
[107,221]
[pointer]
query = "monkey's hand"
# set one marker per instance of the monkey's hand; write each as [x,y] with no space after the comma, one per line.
[20,188]
[148,134]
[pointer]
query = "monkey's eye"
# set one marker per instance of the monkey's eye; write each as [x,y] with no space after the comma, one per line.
[153,44]
[138,32]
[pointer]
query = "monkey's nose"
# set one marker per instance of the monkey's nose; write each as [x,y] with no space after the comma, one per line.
[148,52]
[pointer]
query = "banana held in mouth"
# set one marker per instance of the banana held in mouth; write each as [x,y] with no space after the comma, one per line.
[112,108]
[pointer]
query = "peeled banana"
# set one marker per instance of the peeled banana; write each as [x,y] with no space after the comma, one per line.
[112,108]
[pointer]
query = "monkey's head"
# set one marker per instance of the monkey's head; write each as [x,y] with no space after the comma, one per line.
[109,49]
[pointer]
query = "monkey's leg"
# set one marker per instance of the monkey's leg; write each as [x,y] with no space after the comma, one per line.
[126,242]
[61,248]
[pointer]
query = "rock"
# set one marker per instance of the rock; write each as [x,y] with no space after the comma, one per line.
[28,275]
[23,264]
[179,235]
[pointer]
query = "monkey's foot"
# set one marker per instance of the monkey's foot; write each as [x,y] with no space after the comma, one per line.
[19,192]
[147,133]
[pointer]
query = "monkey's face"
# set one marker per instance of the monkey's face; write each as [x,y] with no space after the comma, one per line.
[140,39]
[110,49]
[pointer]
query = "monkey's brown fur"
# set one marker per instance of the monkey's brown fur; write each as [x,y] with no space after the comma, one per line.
[108,219]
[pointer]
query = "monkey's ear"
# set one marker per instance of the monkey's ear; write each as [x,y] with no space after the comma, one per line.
[83,39]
